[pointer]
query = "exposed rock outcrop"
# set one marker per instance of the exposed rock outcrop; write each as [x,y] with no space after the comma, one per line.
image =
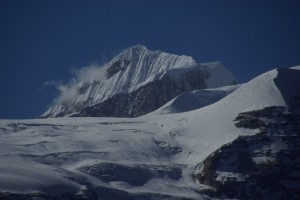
[262,166]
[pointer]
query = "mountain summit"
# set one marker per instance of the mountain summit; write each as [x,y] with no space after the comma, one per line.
[138,81]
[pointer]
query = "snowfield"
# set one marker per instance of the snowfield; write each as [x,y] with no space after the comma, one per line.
[154,154]
[43,155]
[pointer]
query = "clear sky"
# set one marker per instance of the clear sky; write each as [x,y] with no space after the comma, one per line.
[40,40]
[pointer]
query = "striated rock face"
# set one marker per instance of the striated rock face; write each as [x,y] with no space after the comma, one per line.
[147,98]
[138,81]
[117,66]
[262,166]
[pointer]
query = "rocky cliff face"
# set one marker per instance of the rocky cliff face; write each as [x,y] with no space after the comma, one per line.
[138,81]
[262,166]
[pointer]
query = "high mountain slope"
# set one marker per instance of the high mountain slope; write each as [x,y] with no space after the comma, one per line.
[149,157]
[138,81]
[192,100]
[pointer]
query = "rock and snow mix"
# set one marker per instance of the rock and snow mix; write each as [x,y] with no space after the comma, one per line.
[261,166]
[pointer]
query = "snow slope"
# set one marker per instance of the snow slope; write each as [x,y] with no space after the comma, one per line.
[132,69]
[194,99]
[161,151]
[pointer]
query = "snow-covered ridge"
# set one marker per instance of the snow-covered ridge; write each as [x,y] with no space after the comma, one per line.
[132,69]
[277,87]
[194,99]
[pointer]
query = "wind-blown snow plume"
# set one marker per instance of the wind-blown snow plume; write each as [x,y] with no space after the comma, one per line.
[83,76]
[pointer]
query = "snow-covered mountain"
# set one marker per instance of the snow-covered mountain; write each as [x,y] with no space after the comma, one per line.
[156,156]
[138,81]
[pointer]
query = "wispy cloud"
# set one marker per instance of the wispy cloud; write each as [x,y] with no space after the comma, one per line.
[85,75]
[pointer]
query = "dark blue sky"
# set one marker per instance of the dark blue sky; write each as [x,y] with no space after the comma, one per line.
[41,40]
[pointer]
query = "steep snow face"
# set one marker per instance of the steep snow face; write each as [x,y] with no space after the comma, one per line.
[219,75]
[194,99]
[134,68]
